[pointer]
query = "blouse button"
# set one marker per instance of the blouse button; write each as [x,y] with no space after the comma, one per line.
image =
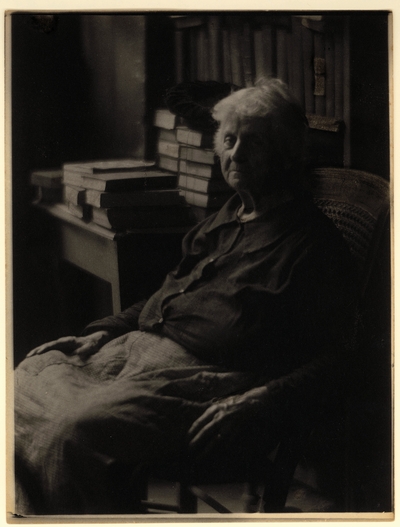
[181,290]
[161,320]
[211,260]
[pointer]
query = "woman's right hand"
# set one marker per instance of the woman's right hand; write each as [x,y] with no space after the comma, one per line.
[82,346]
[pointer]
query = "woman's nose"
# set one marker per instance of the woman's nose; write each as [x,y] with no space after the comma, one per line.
[238,153]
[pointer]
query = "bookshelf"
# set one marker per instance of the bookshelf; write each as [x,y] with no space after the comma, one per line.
[318,56]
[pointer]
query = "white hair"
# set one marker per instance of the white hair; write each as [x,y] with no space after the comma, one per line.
[272,100]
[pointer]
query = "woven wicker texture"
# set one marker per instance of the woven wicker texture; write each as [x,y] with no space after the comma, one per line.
[357,202]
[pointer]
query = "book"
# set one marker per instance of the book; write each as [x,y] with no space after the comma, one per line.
[79,211]
[122,218]
[167,135]
[204,200]
[204,185]
[308,69]
[198,155]
[200,169]
[214,35]
[179,54]
[75,195]
[139,198]
[107,166]
[193,54]
[297,62]
[163,118]
[74,179]
[281,55]
[202,54]
[319,74]
[51,178]
[149,179]
[247,58]
[167,148]
[235,51]
[338,66]
[168,163]
[226,54]
[47,194]
[194,137]
[263,51]
[330,75]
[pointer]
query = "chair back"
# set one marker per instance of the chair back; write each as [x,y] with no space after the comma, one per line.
[358,204]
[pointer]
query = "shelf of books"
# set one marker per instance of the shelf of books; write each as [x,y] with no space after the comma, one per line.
[306,52]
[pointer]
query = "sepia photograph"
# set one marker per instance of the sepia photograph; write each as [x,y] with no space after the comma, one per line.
[172,355]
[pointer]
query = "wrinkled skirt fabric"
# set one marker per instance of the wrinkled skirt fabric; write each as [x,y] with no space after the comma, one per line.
[131,403]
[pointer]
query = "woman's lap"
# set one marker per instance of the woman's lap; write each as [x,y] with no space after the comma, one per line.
[132,402]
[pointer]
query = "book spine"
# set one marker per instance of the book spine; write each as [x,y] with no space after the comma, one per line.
[164,119]
[289,58]
[205,185]
[227,70]
[167,135]
[197,155]
[281,55]
[319,73]
[202,54]
[308,68]
[168,149]
[247,56]
[191,183]
[168,163]
[330,74]
[73,178]
[193,53]
[297,58]
[214,38]
[54,181]
[200,169]
[99,216]
[194,138]
[339,75]
[179,60]
[83,212]
[236,63]
[74,195]
[268,44]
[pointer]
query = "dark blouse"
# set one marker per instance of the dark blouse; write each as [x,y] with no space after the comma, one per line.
[269,295]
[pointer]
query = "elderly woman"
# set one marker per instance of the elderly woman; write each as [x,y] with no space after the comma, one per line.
[245,340]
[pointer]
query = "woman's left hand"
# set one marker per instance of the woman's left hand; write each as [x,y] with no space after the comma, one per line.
[223,422]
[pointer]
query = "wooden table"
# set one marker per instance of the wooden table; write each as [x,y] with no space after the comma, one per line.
[134,262]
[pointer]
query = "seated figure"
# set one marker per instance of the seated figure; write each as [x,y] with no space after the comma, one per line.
[246,340]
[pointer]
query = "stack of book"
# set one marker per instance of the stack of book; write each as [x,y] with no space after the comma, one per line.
[189,153]
[46,185]
[124,194]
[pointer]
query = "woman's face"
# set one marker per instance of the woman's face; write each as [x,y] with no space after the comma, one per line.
[247,154]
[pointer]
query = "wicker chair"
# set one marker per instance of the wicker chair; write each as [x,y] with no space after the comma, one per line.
[358,204]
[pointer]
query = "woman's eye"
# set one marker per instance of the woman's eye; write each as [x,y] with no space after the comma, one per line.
[229,141]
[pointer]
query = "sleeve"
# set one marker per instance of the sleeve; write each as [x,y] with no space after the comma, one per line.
[298,400]
[328,320]
[120,324]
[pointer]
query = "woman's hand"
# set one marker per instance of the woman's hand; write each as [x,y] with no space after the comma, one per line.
[223,422]
[82,346]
